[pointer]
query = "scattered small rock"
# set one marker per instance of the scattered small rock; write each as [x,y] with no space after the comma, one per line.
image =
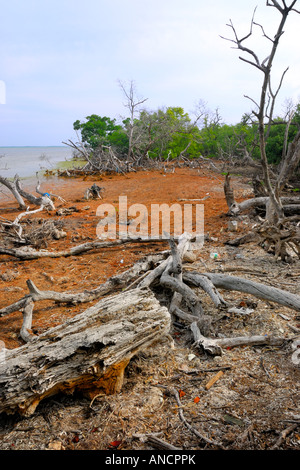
[12,289]
[55,445]
[190,257]
[10,275]
[48,277]
[58,234]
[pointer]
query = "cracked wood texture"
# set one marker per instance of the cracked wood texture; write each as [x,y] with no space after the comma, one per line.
[88,353]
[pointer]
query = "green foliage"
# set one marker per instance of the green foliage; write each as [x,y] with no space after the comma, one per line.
[97,130]
[275,140]
[166,133]
[228,140]
[171,131]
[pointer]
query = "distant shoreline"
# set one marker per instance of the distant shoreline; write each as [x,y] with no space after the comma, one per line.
[26,161]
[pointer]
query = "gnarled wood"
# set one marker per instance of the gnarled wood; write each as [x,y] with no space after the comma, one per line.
[88,353]
[44,200]
[214,346]
[11,185]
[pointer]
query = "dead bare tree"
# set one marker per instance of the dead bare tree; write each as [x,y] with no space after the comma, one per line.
[265,107]
[279,230]
[132,103]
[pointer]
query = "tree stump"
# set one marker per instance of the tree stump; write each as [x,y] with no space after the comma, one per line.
[88,353]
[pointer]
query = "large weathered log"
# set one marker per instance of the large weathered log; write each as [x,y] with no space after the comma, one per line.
[88,353]
[290,204]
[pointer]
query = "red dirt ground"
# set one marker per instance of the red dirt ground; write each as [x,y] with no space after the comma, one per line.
[89,270]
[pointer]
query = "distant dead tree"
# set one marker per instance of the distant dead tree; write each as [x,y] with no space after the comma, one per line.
[132,103]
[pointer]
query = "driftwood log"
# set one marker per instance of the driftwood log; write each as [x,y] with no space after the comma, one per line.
[235,283]
[88,353]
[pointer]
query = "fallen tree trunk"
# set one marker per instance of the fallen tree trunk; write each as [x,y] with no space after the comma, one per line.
[290,204]
[88,353]
[29,253]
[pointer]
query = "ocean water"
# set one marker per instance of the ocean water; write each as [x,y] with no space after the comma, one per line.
[26,161]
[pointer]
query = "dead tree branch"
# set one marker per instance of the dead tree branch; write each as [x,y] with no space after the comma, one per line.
[29,253]
[112,284]
[11,185]
[173,392]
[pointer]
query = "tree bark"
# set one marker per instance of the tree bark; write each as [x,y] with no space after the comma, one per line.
[88,353]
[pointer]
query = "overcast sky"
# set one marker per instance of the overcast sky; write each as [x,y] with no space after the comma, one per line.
[60,60]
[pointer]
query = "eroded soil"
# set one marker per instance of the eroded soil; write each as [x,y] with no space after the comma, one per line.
[256,397]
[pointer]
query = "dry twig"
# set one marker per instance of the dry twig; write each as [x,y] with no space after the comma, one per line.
[173,392]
